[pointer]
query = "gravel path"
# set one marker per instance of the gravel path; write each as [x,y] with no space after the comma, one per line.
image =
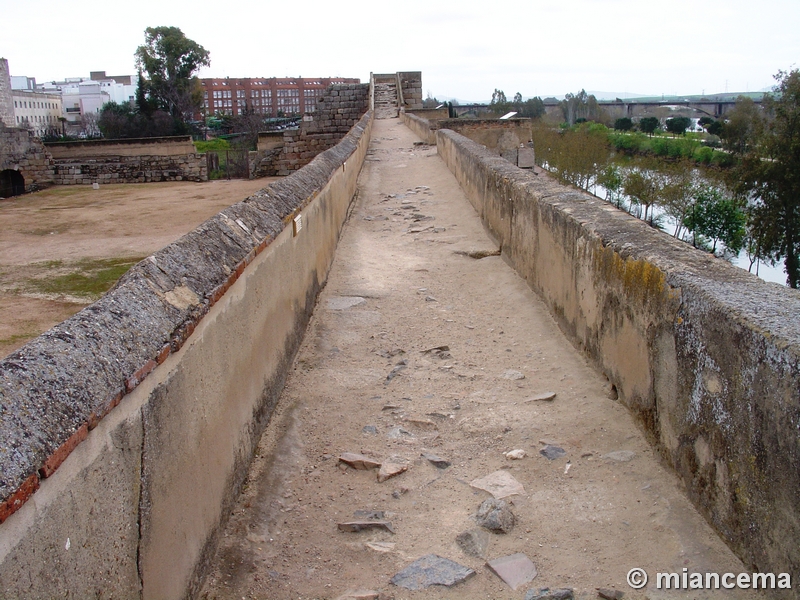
[420,347]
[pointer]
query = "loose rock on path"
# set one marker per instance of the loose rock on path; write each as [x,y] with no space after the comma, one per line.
[442,359]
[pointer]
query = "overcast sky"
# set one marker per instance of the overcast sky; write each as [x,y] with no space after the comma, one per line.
[464,48]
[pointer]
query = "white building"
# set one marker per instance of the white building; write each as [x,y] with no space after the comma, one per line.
[38,111]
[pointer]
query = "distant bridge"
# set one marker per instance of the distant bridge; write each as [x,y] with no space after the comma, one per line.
[623,108]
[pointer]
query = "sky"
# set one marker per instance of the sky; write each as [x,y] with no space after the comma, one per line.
[464,48]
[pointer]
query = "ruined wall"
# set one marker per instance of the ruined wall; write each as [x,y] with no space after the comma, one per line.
[706,355]
[157,146]
[22,153]
[410,89]
[337,111]
[6,101]
[139,160]
[130,169]
[128,429]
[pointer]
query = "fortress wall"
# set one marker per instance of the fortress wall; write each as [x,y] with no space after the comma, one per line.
[130,169]
[129,428]
[705,355]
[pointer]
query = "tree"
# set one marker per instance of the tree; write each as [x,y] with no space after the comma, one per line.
[532,108]
[743,126]
[770,172]
[499,104]
[623,124]
[643,187]
[717,218]
[648,125]
[678,125]
[170,60]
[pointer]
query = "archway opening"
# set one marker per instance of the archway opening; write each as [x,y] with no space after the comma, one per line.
[12,183]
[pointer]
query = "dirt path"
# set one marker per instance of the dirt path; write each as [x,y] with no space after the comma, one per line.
[373,378]
[75,230]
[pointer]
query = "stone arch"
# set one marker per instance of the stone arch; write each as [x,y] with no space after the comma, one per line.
[12,183]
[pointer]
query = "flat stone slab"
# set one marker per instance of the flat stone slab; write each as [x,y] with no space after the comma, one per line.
[548,594]
[431,570]
[516,569]
[389,470]
[499,484]
[543,397]
[551,452]
[345,302]
[474,542]
[620,455]
[436,461]
[356,526]
[359,461]
[359,595]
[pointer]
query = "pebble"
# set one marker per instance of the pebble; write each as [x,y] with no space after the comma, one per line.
[370,430]
[610,594]
[515,454]
[437,461]
[620,455]
[495,515]
[359,461]
[356,526]
[552,452]
[513,375]
[360,595]
[543,397]
[390,469]
[431,570]
[548,594]
[398,432]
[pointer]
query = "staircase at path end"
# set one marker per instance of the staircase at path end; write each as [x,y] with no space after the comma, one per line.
[385,100]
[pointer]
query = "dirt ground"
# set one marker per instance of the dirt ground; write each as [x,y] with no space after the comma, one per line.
[418,348]
[75,230]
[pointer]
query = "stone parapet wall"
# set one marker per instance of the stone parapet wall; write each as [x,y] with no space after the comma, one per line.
[131,169]
[704,354]
[129,428]
[337,111]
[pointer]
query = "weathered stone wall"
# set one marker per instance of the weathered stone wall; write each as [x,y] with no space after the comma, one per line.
[337,111]
[6,101]
[503,137]
[131,169]
[178,145]
[410,89]
[128,429]
[706,355]
[25,154]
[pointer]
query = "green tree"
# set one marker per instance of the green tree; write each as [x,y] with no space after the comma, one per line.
[643,187]
[532,108]
[499,104]
[623,124]
[612,180]
[678,125]
[648,125]
[170,60]
[718,218]
[743,126]
[770,172]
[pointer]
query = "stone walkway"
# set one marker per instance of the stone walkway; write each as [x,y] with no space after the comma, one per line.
[425,350]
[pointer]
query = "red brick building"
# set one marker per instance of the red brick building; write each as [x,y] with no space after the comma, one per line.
[266,96]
